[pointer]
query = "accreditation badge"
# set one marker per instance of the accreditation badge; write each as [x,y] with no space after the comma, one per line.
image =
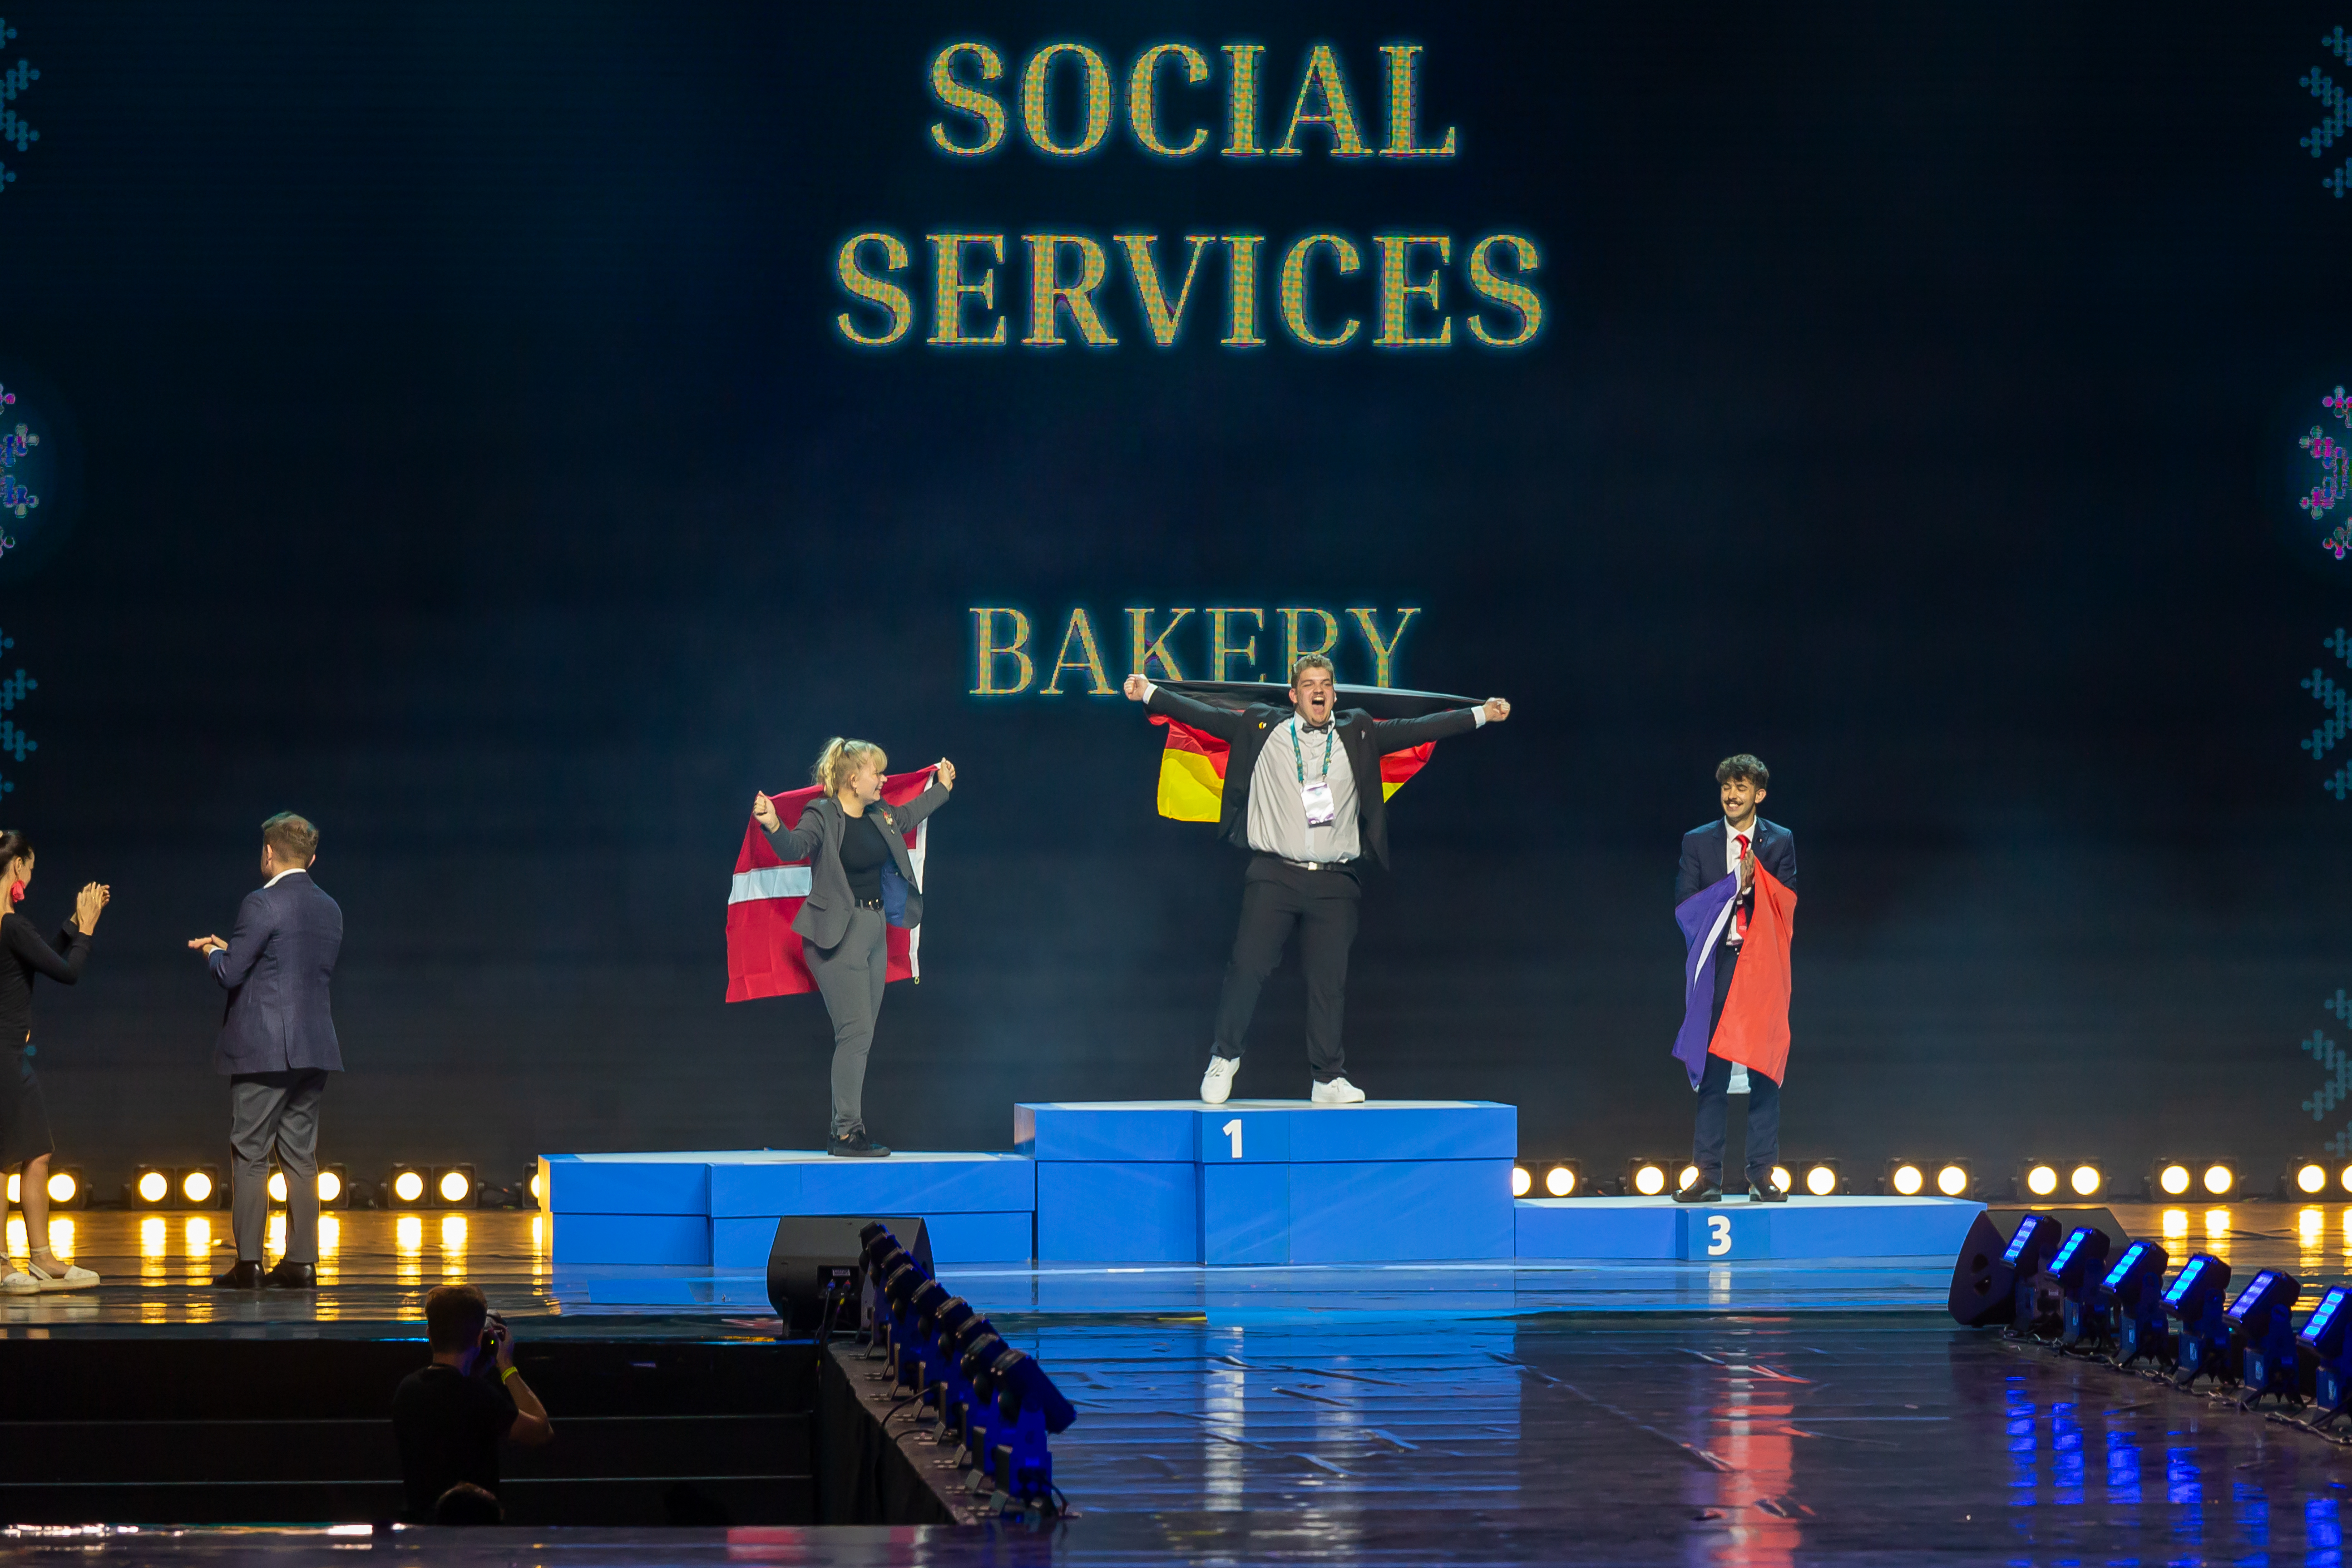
[1317,798]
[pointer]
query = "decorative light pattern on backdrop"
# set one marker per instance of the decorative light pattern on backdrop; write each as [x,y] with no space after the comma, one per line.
[14,741]
[2332,729]
[2338,118]
[2336,1063]
[13,79]
[2334,460]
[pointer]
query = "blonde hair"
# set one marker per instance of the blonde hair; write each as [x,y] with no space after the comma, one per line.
[840,759]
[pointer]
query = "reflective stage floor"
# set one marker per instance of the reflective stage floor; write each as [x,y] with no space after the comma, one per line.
[1418,1415]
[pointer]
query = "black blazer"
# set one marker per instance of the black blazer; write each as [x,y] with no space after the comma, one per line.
[1705,847]
[1365,738]
[823,918]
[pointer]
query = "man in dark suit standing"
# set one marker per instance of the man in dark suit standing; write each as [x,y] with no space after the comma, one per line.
[1306,817]
[276,1046]
[1738,842]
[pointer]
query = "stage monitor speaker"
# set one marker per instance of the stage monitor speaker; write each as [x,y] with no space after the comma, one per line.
[1984,1289]
[811,1251]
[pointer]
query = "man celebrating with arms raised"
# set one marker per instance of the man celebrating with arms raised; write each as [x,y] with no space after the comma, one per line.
[1306,820]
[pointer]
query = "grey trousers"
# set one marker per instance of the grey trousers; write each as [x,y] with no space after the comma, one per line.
[850,977]
[279,1109]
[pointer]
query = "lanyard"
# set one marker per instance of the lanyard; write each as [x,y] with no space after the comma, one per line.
[1298,758]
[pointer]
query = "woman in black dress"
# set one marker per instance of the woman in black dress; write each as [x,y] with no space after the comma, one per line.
[24,1119]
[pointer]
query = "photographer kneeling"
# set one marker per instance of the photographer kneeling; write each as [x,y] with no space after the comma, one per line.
[450,1416]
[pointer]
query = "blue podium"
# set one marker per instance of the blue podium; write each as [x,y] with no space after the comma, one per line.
[1659,1229]
[1270,1182]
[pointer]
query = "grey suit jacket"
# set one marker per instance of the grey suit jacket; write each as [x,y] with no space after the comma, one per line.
[823,918]
[279,958]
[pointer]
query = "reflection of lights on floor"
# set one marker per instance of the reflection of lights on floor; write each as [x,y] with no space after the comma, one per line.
[2310,1225]
[453,1232]
[198,1237]
[61,1239]
[2217,1223]
[409,1234]
[331,1235]
[539,1231]
[2176,1223]
[274,1236]
[154,1237]
[15,1234]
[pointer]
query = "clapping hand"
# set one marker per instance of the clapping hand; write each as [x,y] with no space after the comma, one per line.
[92,898]
[204,944]
[763,812]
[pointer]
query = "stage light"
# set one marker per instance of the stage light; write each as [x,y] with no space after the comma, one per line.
[2194,1299]
[2169,1179]
[2030,1248]
[200,1186]
[334,1185]
[277,1186]
[1564,1180]
[2041,1179]
[1647,1177]
[2086,1179]
[1821,1177]
[1521,1182]
[1686,1176]
[2323,1334]
[2310,1178]
[407,1186]
[2219,1178]
[1782,1180]
[65,1188]
[2263,1336]
[2078,1268]
[535,1196]
[151,1188]
[1904,1178]
[2136,1285]
[452,1186]
[1953,1180]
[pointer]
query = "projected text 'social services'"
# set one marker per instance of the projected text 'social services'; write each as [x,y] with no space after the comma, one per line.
[1402,288]
[1218,643]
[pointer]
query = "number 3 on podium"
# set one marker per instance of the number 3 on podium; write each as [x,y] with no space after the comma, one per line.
[1233,1130]
[1718,1227]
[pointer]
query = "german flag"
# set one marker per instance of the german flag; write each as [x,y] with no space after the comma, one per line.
[1192,764]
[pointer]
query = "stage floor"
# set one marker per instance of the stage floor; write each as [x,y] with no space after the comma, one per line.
[374,1268]
[1741,1414]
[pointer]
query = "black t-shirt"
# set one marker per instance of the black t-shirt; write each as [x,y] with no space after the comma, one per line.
[449,1426]
[863,856]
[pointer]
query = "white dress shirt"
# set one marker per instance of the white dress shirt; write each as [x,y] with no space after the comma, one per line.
[281,876]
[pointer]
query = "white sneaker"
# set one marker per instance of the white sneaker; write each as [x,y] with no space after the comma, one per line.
[16,1282]
[1217,1083]
[1339,1092]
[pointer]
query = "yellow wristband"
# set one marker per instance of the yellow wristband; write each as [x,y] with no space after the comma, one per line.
[510,1372]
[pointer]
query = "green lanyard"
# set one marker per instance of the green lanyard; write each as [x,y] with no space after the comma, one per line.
[1298,758]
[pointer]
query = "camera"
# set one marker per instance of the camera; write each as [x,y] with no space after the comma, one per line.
[494,1335]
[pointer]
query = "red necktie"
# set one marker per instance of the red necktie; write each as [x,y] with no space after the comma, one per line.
[1739,911]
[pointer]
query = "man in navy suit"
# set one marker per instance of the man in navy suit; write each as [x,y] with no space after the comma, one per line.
[276,1046]
[1736,842]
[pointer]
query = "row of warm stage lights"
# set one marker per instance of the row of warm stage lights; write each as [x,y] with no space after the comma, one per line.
[2217,1178]
[200,1186]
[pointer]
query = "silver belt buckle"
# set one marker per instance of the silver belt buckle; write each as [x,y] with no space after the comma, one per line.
[1314,865]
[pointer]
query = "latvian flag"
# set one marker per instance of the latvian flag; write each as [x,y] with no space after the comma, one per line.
[1192,764]
[1753,1029]
[763,951]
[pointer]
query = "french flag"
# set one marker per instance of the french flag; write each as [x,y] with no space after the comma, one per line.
[1753,1029]
[763,951]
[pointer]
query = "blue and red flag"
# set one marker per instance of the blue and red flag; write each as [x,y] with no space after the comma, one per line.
[1754,1029]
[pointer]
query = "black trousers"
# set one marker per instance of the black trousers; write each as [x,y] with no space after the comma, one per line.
[1714,1108]
[1323,906]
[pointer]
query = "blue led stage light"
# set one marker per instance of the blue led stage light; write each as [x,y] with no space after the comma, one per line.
[2194,1301]
[2322,1338]
[2075,1271]
[2262,1337]
[2031,1247]
[2133,1288]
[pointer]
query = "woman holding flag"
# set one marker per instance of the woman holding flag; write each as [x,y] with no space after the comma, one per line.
[861,883]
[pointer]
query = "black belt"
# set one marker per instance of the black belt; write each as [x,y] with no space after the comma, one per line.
[869,903]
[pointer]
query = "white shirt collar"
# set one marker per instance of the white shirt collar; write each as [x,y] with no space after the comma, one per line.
[281,876]
[1754,824]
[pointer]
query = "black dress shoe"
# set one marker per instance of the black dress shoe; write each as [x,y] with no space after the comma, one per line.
[1700,1190]
[1767,1193]
[291,1276]
[857,1146]
[244,1277]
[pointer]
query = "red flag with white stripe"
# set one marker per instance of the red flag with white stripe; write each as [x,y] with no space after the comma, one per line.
[763,951]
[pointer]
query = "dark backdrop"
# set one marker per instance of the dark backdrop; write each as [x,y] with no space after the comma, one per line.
[471,465]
